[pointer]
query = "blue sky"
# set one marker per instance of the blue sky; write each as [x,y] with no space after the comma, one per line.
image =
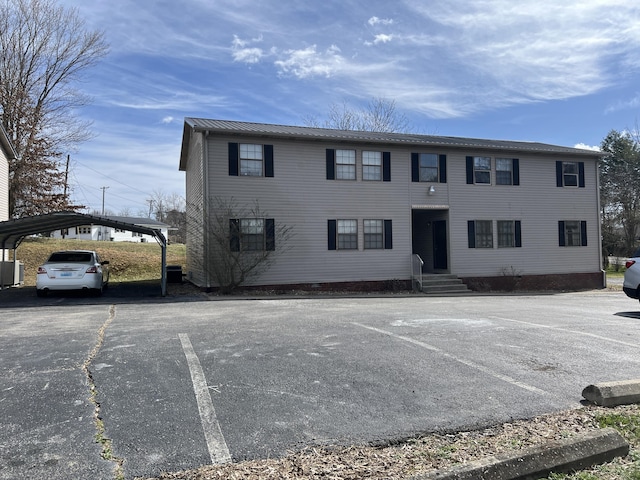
[564,73]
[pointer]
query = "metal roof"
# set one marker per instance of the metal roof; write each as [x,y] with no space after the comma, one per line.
[311,133]
[13,231]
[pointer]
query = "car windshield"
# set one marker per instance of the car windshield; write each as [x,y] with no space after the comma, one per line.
[636,253]
[80,257]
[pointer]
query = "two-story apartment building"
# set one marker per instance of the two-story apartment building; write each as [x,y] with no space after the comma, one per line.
[363,206]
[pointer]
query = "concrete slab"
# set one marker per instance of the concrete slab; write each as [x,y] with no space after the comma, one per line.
[610,394]
[569,455]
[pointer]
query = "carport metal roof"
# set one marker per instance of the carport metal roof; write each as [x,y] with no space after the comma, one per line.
[12,232]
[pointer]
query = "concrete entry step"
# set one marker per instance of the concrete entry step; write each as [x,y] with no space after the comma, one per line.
[444,284]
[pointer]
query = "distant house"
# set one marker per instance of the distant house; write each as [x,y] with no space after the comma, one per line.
[102,233]
[373,208]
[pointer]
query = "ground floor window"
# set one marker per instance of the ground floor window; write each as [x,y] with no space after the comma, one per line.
[572,233]
[252,234]
[509,233]
[480,233]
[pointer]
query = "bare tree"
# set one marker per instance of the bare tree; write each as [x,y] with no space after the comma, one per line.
[44,50]
[242,241]
[380,115]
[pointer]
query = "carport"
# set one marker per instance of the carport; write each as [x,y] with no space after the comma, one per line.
[12,232]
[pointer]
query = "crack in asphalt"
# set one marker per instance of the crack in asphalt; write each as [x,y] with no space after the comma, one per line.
[107,447]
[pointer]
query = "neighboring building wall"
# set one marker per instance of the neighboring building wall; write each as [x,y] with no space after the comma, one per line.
[195,248]
[300,196]
[4,186]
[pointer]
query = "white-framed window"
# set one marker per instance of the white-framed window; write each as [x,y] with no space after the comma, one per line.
[347,234]
[83,230]
[504,171]
[482,170]
[373,234]
[251,159]
[428,165]
[480,233]
[572,233]
[252,234]
[506,233]
[371,165]
[570,174]
[345,164]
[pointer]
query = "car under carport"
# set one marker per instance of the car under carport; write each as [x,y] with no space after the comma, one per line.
[12,232]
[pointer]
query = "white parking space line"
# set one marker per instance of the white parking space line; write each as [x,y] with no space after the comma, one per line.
[561,329]
[216,443]
[468,363]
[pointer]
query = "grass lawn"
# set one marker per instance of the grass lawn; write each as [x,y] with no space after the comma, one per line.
[128,261]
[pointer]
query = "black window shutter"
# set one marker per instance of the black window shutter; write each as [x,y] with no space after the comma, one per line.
[331,164]
[234,234]
[518,232]
[233,159]
[332,230]
[386,166]
[471,231]
[470,171]
[516,171]
[561,240]
[581,174]
[270,234]
[583,233]
[268,160]
[388,235]
[442,164]
[415,168]
[559,182]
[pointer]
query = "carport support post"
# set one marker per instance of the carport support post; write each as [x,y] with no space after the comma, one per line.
[163,281]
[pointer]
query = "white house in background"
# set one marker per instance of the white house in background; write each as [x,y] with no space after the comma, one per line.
[102,233]
[366,207]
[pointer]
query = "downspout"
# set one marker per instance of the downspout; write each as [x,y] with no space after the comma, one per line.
[604,273]
[205,209]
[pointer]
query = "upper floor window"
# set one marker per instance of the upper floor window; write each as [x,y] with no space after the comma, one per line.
[482,170]
[371,165]
[504,171]
[345,164]
[570,174]
[428,167]
[250,159]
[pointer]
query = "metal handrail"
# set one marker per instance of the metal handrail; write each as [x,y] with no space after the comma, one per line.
[416,278]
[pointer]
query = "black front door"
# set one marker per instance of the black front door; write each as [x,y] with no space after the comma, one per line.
[440,245]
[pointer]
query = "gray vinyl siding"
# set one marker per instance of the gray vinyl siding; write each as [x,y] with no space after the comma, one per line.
[539,204]
[300,196]
[196,271]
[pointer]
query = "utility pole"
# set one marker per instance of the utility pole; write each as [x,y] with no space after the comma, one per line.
[103,190]
[102,228]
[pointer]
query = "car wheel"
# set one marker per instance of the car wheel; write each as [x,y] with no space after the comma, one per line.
[41,293]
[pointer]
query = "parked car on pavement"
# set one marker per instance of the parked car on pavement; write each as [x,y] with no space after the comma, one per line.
[631,285]
[73,270]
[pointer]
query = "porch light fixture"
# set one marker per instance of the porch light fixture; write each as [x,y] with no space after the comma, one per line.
[432,190]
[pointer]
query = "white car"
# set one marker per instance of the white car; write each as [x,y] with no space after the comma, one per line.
[631,285]
[72,270]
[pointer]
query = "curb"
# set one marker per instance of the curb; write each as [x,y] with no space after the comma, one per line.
[613,393]
[565,456]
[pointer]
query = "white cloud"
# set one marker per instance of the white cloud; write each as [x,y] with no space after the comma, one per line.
[167,120]
[382,38]
[629,104]
[308,62]
[583,146]
[241,52]
[380,21]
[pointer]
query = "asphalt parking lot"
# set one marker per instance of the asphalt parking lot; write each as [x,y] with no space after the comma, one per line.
[183,382]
